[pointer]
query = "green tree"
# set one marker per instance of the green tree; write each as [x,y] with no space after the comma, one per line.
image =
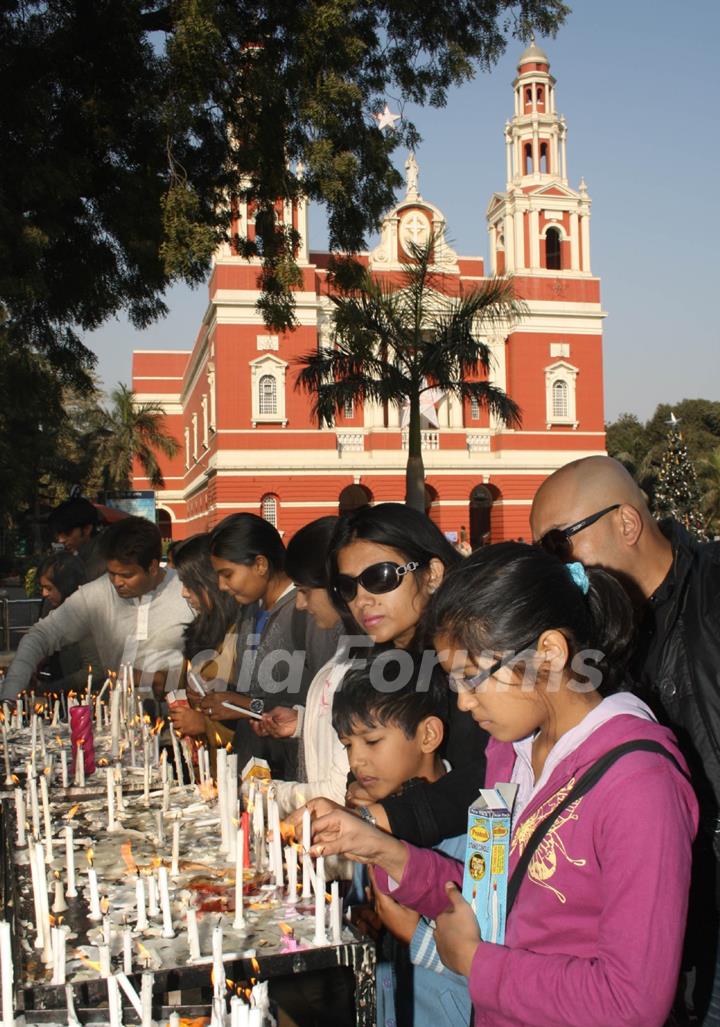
[129,127]
[676,491]
[129,431]
[393,343]
[709,482]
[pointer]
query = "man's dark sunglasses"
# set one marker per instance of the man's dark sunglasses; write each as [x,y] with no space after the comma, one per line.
[378,578]
[558,540]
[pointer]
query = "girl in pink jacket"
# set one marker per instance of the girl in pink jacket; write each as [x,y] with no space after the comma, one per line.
[536,650]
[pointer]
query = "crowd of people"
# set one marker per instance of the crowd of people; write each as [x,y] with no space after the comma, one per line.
[391,677]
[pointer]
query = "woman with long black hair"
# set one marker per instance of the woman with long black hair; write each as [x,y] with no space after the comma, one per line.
[209,640]
[279,647]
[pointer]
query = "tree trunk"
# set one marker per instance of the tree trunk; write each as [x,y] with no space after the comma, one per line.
[415,470]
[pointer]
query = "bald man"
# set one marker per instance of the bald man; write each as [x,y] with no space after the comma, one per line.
[591,510]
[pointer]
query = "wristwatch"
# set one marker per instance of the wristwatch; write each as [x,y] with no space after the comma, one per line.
[257,705]
[365,814]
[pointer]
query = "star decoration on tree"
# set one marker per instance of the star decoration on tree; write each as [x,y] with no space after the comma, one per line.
[386,118]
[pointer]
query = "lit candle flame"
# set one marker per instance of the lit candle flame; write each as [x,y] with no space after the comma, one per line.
[90,855]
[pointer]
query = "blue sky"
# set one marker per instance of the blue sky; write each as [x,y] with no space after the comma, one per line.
[638,84]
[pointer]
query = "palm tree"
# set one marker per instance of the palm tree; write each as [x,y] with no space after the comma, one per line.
[394,343]
[126,432]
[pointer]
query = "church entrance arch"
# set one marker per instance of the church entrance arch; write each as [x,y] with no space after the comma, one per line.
[482,498]
[353,497]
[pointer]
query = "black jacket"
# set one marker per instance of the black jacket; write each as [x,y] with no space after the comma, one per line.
[679,669]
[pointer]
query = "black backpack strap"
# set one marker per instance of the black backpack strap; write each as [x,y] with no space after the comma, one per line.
[588,780]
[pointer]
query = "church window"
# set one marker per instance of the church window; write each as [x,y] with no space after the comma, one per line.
[474,408]
[544,158]
[560,400]
[540,94]
[348,408]
[269,510]
[552,250]
[267,403]
[528,94]
[528,158]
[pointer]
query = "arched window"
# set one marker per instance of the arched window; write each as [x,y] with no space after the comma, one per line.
[560,406]
[528,94]
[481,502]
[267,395]
[540,94]
[348,408]
[353,497]
[268,509]
[474,408]
[552,250]
[528,158]
[544,168]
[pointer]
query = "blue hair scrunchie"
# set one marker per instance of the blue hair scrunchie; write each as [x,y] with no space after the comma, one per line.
[579,575]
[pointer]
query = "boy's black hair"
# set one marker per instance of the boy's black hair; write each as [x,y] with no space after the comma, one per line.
[358,701]
[132,540]
[73,513]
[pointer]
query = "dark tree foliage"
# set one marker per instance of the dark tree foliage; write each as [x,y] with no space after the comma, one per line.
[127,126]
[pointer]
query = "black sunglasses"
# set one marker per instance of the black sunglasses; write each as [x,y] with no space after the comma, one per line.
[377,578]
[558,540]
[460,683]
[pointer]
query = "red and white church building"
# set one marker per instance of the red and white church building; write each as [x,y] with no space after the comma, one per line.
[248,439]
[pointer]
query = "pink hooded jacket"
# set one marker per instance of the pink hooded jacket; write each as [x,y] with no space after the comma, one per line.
[595,936]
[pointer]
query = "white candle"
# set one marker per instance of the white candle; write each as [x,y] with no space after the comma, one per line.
[94,898]
[218,965]
[59,903]
[153,905]
[307,859]
[104,960]
[127,949]
[6,973]
[335,913]
[187,746]
[80,766]
[89,683]
[167,931]
[146,773]
[8,772]
[142,921]
[236,1005]
[176,756]
[292,869]
[239,921]
[193,934]
[115,722]
[63,768]
[174,1020]
[71,890]
[166,794]
[320,936]
[44,900]
[175,867]
[46,818]
[255,1018]
[222,799]
[33,737]
[19,714]
[59,937]
[20,817]
[114,1004]
[40,923]
[132,995]
[231,802]
[34,805]
[277,846]
[111,798]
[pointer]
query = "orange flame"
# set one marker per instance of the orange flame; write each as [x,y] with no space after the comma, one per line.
[128,859]
[255,965]
[286,929]
[89,962]
[72,811]
[90,855]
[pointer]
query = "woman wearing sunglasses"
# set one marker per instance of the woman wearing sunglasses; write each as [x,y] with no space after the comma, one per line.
[385,562]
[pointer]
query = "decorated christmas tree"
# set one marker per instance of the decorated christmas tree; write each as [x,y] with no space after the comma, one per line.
[676,492]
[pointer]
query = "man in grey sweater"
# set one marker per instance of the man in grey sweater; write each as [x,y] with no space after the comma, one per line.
[135,614]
